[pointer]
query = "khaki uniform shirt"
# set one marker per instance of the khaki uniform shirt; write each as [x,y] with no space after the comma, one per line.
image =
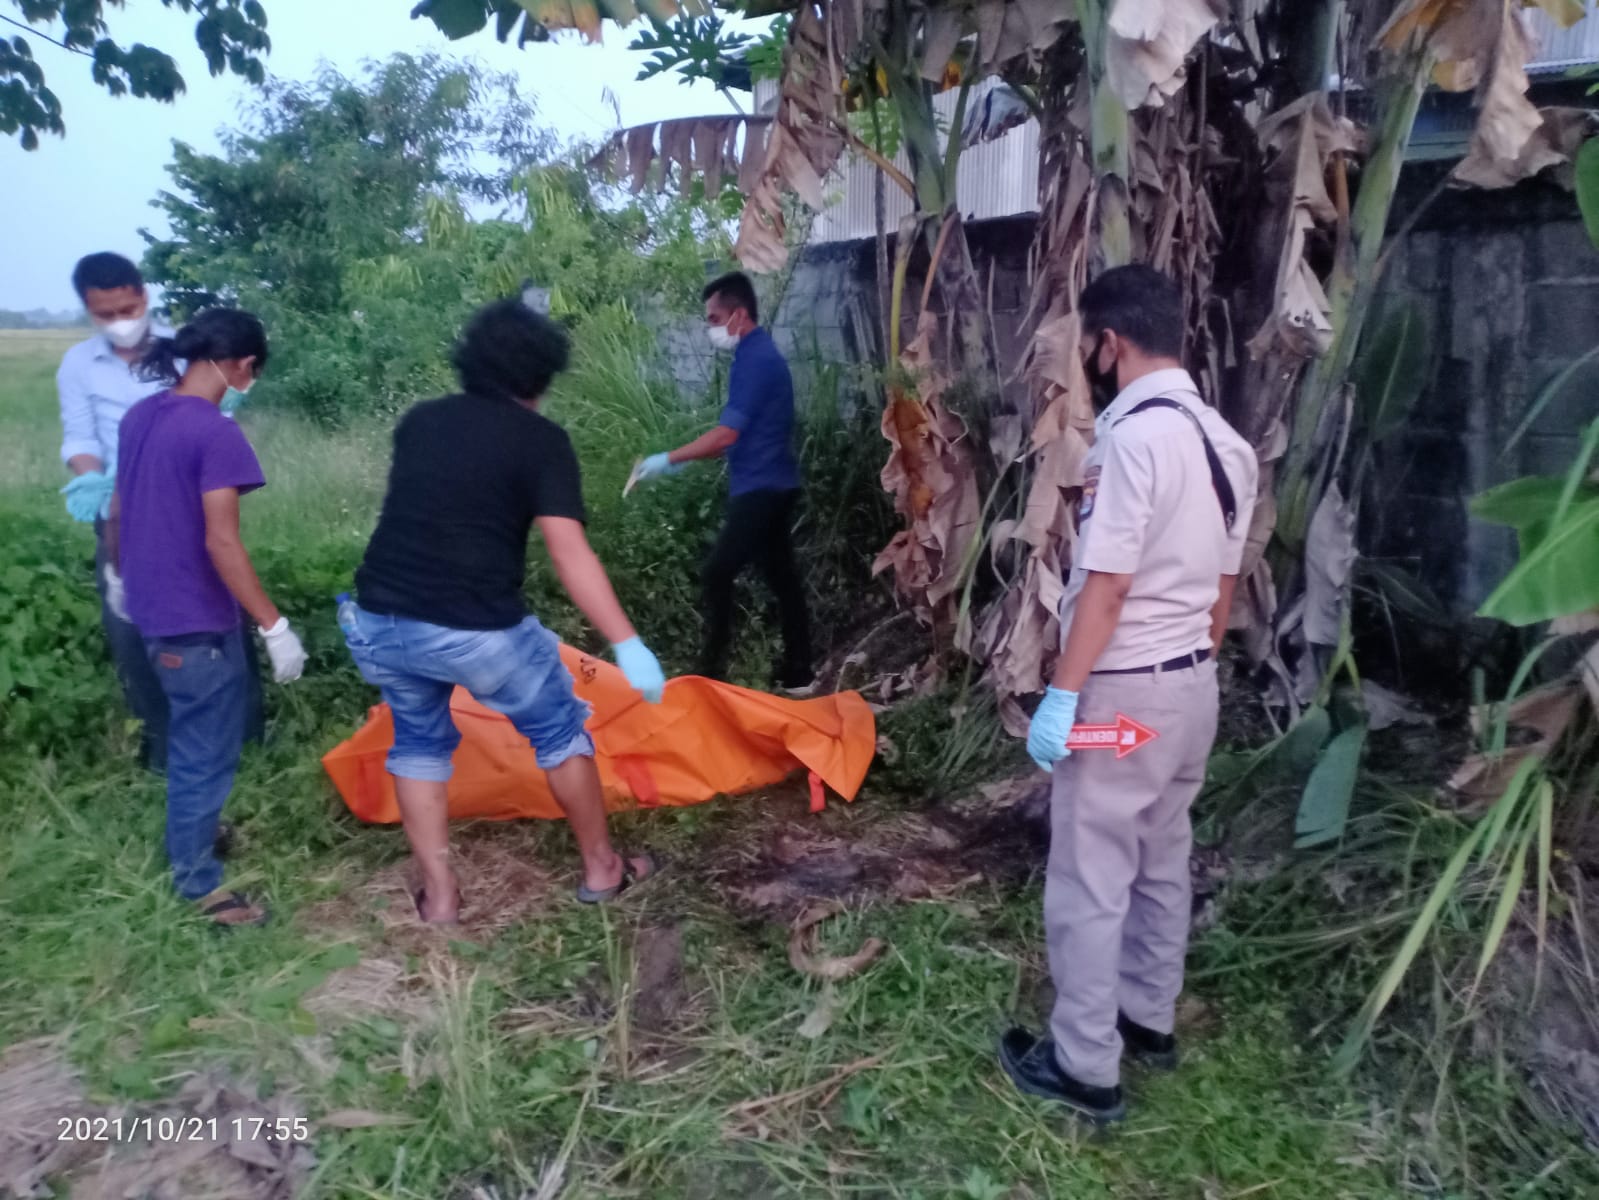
[1149,510]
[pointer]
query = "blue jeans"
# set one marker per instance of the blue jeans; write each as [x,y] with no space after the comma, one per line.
[515,671]
[141,687]
[207,680]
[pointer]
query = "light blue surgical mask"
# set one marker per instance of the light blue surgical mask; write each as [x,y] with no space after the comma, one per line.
[233,398]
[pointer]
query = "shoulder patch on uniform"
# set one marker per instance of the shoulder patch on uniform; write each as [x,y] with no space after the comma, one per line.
[1085,507]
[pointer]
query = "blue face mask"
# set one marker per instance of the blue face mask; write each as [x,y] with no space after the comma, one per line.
[233,398]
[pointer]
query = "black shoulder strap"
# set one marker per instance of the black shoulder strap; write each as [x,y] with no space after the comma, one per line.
[1218,476]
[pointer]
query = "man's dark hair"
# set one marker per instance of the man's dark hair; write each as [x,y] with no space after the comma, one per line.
[735,289]
[509,352]
[104,271]
[1139,304]
[215,335]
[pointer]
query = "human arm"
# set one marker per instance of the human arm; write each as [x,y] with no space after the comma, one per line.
[713,443]
[1226,587]
[748,387]
[583,576]
[80,443]
[226,549]
[1094,619]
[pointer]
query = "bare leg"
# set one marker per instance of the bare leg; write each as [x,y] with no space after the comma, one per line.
[576,784]
[425,811]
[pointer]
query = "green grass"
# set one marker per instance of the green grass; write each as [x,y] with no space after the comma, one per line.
[521,1055]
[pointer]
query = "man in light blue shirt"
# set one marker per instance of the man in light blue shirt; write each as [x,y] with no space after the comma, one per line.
[97,383]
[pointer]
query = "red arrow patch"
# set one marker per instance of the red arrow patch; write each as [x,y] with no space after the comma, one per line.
[1123,737]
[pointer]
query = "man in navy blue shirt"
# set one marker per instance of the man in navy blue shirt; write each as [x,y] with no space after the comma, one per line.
[756,434]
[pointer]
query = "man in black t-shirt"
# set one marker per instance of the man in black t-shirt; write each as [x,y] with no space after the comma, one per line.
[470,476]
[440,596]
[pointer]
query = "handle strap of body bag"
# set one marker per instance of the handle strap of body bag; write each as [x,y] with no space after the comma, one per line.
[1218,476]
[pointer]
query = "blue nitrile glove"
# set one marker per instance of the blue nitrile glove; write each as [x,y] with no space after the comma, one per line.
[88,494]
[641,669]
[1052,723]
[657,465]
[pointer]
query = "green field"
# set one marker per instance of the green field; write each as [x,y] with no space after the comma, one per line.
[664,1047]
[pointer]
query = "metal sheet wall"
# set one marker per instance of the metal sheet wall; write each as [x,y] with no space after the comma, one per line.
[997,179]
[1560,49]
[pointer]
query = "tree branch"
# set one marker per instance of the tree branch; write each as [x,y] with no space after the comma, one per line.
[882,164]
[32,31]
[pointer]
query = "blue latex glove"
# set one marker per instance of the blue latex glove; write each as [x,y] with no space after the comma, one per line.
[88,494]
[1046,736]
[657,465]
[641,669]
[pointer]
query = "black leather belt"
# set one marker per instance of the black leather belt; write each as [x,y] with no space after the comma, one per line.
[1171,664]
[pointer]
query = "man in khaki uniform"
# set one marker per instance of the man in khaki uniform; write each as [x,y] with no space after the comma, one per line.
[1167,496]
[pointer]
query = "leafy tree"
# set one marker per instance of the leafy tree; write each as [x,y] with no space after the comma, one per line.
[231,34]
[319,219]
[355,218]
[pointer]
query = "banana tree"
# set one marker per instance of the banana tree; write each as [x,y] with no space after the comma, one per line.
[1155,148]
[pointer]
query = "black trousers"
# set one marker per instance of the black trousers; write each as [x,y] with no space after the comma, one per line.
[759,531]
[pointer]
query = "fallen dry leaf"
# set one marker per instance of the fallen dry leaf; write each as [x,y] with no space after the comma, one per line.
[802,941]
[820,1019]
[1545,712]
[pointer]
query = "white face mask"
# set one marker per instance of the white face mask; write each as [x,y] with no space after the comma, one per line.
[128,332]
[721,338]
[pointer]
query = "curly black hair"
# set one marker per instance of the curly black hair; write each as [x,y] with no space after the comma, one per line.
[509,352]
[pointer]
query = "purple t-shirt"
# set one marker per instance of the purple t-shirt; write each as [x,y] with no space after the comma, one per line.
[173,449]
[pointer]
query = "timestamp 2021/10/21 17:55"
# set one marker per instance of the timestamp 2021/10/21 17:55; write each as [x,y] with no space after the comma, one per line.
[276,1130]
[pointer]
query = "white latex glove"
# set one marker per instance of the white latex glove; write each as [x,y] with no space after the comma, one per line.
[116,596]
[284,649]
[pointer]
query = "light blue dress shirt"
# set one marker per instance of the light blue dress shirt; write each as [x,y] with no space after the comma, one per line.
[96,388]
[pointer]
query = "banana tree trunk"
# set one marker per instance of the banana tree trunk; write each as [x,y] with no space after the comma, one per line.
[1350,289]
[1109,138]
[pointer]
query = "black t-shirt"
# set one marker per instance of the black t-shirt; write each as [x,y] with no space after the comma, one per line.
[469,476]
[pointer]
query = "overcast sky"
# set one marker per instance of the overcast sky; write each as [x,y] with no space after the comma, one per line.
[92,189]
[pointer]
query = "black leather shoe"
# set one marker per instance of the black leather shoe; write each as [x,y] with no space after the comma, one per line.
[1157,1051]
[1030,1062]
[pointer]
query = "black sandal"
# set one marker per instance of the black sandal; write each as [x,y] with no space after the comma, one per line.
[228,902]
[630,876]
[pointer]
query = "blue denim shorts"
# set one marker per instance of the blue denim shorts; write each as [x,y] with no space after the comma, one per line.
[515,671]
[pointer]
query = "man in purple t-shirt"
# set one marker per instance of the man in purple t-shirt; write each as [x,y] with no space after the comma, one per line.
[186,581]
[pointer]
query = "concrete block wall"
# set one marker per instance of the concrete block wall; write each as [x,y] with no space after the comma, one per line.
[1508,278]
[1511,284]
